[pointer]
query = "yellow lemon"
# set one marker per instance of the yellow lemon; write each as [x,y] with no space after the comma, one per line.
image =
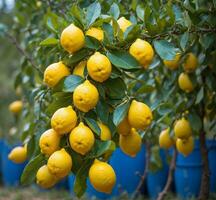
[18,154]
[142,51]
[96,33]
[139,115]
[79,69]
[185,146]
[81,139]
[72,38]
[99,67]
[190,63]
[105,132]
[64,120]
[15,107]
[124,127]
[49,142]
[85,96]
[182,129]
[60,163]
[124,23]
[102,177]
[185,83]
[173,64]
[130,144]
[44,178]
[165,141]
[54,73]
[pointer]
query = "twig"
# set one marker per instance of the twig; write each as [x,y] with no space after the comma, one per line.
[22,51]
[162,194]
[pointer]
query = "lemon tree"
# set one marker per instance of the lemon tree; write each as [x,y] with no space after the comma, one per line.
[96,75]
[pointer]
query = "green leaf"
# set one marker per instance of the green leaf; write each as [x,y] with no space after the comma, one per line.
[49,42]
[114,10]
[31,169]
[184,40]
[120,112]
[92,43]
[102,110]
[195,122]
[200,96]
[145,89]
[93,12]
[93,125]
[68,84]
[131,32]
[140,12]
[77,13]
[122,60]
[108,34]
[165,49]
[165,108]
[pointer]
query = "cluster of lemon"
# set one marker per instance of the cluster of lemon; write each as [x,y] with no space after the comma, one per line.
[85,97]
[189,65]
[183,137]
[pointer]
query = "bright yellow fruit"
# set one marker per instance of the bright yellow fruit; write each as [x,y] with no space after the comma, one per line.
[15,107]
[60,163]
[165,141]
[49,142]
[18,154]
[81,139]
[139,115]
[44,178]
[79,69]
[72,38]
[64,120]
[130,144]
[102,177]
[124,127]
[190,63]
[142,51]
[54,73]
[105,132]
[185,146]
[185,83]
[96,33]
[85,96]
[182,129]
[173,64]
[124,23]
[99,67]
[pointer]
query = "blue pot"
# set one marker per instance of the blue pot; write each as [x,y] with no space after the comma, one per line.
[11,172]
[71,179]
[188,173]
[62,184]
[156,180]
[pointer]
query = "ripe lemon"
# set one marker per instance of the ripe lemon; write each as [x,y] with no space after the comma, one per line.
[18,154]
[54,73]
[81,139]
[124,23]
[102,177]
[182,129]
[124,127]
[173,64]
[96,33]
[15,107]
[64,120]
[99,67]
[190,63]
[185,146]
[142,51]
[49,142]
[79,69]
[105,132]
[165,141]
[139,115]
[185,83]
[130,144]
[60,163]
[44,178]
[85,96]
[72,38]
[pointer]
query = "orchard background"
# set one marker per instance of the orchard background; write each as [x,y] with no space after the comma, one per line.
[146,74]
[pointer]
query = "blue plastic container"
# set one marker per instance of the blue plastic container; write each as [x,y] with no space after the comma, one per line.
[156,180]
[71,179]
[62,184]
[11,172]
[188,173]
[1,149]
